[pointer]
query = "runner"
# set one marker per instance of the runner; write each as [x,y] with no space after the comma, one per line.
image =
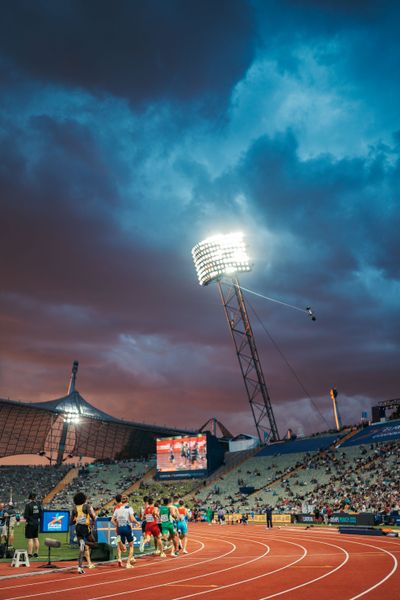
[151,514]
[122,518]
[176,519]
[182,524]
[82,515]
[168,513]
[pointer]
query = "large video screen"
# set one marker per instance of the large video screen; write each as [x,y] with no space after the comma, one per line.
[184,456]
[54,521]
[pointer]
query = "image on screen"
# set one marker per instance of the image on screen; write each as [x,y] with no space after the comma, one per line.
[182,454]
[54,521]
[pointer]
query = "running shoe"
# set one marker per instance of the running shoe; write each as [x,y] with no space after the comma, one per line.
[120,564]
[132,560]
[167,546]
[157,552]
[35,555]
[174,553]
[141,545]
[185,551]
[163,555]
[91,566]
[128,565]
[81,571]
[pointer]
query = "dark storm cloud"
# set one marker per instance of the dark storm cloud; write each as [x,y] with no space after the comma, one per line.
[142,50]
[101,201]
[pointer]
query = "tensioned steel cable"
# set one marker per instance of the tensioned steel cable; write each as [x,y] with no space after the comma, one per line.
[277,348]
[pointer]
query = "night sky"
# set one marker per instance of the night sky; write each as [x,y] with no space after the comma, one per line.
[130,131]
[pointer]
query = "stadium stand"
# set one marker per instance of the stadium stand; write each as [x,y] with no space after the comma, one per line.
[102,480]
[17,482]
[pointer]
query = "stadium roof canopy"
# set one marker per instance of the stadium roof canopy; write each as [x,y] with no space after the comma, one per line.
[71,426]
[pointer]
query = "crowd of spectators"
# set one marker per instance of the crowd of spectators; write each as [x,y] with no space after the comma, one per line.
[17,482]
[357,479]
[100,481]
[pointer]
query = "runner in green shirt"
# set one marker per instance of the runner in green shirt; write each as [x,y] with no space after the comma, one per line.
[168,512]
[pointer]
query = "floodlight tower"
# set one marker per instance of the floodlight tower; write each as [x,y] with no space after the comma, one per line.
[225,256]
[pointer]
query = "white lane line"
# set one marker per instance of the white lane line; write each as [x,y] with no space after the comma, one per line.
[222,587]
[72,569]
[180,581]
[351,541]
[111,581]
[296,587]
[373,587]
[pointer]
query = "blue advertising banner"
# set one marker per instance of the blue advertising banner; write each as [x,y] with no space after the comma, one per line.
[54,521]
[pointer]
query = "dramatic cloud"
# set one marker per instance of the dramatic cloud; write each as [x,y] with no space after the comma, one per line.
[128,133]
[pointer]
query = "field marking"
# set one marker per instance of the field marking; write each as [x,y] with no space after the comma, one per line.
[221,587]
[112,581]
[126,593]
[72,569]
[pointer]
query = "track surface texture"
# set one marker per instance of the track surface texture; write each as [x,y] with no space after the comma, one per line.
[229,562]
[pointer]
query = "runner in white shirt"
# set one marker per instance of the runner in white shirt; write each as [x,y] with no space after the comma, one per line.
[123,518]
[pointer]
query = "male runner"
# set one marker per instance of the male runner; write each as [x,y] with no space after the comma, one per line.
[182,525]
[122,518]
[82,514]
[151,515]
[167,513]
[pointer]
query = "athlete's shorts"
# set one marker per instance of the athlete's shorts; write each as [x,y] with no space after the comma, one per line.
[83,533]
[31,531]
[167,528]
[182,527]
[125,533]
[152,529]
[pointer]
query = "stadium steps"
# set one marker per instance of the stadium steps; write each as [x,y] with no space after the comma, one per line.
[148,475]
[232,461]
[68,477]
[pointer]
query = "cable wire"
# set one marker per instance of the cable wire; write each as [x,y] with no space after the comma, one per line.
[277,348]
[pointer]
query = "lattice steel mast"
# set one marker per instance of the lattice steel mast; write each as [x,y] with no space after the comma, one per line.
[226,255]
[249,360]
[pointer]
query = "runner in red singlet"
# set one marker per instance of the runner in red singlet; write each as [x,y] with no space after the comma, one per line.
[151,516]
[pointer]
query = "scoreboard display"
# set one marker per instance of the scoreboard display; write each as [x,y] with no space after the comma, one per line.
[182,456]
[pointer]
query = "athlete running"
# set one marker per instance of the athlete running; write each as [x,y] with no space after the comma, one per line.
[123,518]
[151,515]
[167,514]
[82,514]
[183,517]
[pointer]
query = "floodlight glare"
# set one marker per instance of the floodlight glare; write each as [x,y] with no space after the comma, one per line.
[220,255]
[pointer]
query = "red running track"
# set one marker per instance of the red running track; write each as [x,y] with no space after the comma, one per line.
[237,562]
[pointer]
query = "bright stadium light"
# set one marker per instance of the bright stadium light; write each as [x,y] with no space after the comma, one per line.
[220,259]
[71,417]
[220,255]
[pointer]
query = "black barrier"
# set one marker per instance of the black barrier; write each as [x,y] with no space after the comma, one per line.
[339,519]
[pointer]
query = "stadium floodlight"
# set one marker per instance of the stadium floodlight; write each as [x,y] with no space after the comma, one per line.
[219,259]
[220,255]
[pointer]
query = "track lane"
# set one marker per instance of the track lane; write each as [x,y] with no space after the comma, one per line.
[301,565]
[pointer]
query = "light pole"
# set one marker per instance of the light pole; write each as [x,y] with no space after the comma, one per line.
[219,259]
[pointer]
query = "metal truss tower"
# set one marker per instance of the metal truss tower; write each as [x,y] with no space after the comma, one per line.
[249,361]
